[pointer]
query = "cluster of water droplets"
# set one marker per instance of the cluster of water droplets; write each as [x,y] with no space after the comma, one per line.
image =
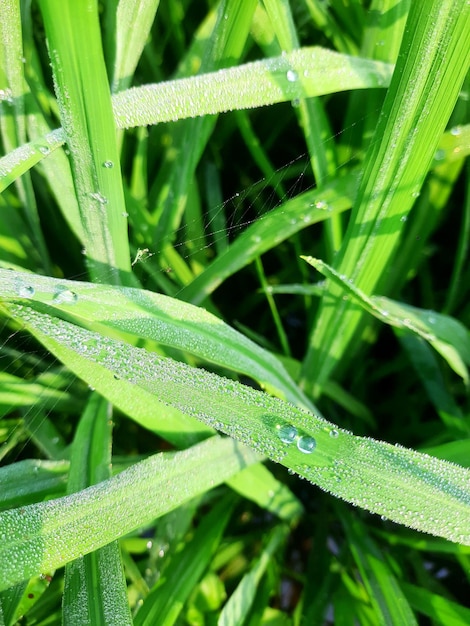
[289,434]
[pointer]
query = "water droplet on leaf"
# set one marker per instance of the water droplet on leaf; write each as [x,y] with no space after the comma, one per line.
[306,444]
[287,433]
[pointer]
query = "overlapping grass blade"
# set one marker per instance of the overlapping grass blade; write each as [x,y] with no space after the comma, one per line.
[143,314]
[46,535]
[430,70]
[412,489]
[86,114]
[94,585]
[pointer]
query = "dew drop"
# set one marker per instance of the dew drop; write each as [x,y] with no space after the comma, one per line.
[403,218]
[65,296]
[292,76]
[456,131]
[96,195]
[334,433]
[26,291]
[415,194]
[306,444]
[44,149]
[286,433]
[108,164]
[440,155]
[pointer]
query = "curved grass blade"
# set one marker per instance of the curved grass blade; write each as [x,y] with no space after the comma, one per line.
[447,335]
[156,317]
[405,486]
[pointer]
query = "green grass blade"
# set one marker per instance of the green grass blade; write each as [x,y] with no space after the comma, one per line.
[387,598]
[430,70]
[412,488]
[94,586]
[85,107]
[45,536]
[144,314]
[164,603]
[237,608]
[250,85]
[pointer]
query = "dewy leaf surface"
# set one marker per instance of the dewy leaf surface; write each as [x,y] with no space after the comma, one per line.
[403,485]
[157,317]
[44,536]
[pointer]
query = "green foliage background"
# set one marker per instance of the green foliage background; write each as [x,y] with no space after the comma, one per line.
[234,218]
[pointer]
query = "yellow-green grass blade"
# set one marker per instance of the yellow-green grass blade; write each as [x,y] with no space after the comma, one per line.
[94,586]
[238,606]
[311,114]
[130,42]
[403,485]
[84,99]
[430,70]
[440,609]
[46,535]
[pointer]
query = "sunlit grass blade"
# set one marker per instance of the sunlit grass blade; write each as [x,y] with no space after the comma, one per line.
[250,85]
[412,489]
[49,534]
[441,610]
[94,586]
[86,114]
[129,42]
[430,70]
[258,484]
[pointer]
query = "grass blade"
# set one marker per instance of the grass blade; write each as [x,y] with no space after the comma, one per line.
[94,585]
[85,107]
[49,534]
[412,488]
[430,70]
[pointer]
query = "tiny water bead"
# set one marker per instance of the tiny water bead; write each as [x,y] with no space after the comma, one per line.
[286,433]
[334,433]
[292,76]
[306,444]
[63,295]
[108,164]
[26,291]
